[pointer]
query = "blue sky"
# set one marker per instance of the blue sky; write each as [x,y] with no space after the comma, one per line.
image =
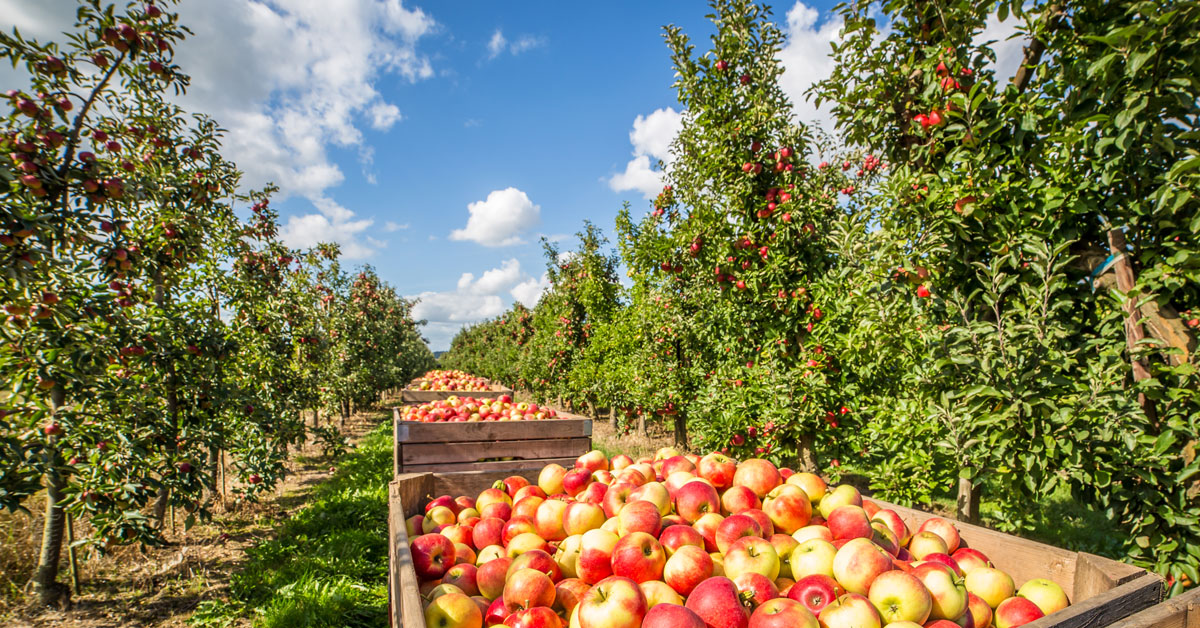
[438,141]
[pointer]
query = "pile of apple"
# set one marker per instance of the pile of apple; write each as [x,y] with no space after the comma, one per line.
[470,409]
[687,542]
[452,380]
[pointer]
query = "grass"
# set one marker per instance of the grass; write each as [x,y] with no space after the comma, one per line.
[328,564]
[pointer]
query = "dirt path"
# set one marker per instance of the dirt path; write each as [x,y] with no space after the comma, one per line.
[160,587]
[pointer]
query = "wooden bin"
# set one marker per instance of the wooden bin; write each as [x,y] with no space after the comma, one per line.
[447,446]
[413,395]
[1182,611]
[1102,591]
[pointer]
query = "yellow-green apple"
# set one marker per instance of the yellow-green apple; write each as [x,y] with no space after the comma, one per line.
[815,592]
[595,493]
[443,589]
[718,563]
[463,576]
[924,543]
[947,590]
[593,460]
[432,555]
[784,546]
[524,542]
[970,559]
[813,532]
[900,596]
[686,568]
[487,532]
[664,453]
[639,557]
[894,523]
[788,507]
[639,516]
[614,602]
[903,624]
[758,475]
[734,528]
[492,496]
[536,617]
[751,554]
[595,556]
[603,476]
[1045,593]
[539,560]
[696,499]
[466,515]
[620,461]
[551,478]
[489,553]
[526,507]
[980,611]
[755,588]
[438,518]
[811,484]
[527,588]
[737,499]
[782,613]
[425,587]
[944,529]
[764,522]
[718,469]
[814,556]
[1016,611]
[718,603]
[677,536]
[671,616]
[675,464]
[567,594]
[454,610]
[849,611]
[883,536]
[615,498]
[567,555]
[991,585]
[575,481]
[841,495]
[707,527]
[612,525]
[858,563]
[490,577]
[658,592]
[463,554]
[655,493]
[549,520]
[579,517]
[849,522]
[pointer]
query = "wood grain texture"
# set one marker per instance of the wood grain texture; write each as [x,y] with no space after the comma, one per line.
[1108,607]
[413,432]
[1182,611]
[475,451]
[1096,574]
[403,588]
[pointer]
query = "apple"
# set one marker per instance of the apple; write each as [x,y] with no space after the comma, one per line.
[568,593]
[432,555]
[707,526]
[579,517]
[737,499]
[536,617]
[970,559]
[676,464]
[883,536]
[676,480]
[764,522]
[686,568]
[655,493]
[945,560]
[453,610]
[677,536]
[781,583]
[526,507]
[734,528]
[511,484]
[438,517]
[527,588]
[718,469]
[696,499]
[671,616]
[615,498]
[758,475]
[849,522]
[463,576]
[811,484]
[515,527]
[1016,611]
[442,589]
[943,529]
[870,507]
[639,516]
[614,602]
[595,493]
[900,596]
[924,543]
[538,560]
[755,588]
[620,461]
[490,553]
[751,555]
[782,613]
[784,546]
[841,495]
[412,526]
[463,554]
[1048,596]
[980,611]
[595,555]
[495,613]
[567,556]
[991,585]
[468,516]
[849,611]
[788,507]
[892,520]
[858,563]
[492,496]
[812,532]
[525,542]
[551,478]
[456,533]
[489,578]
[814,556]
[576,480]
[658,592]
[718,603]
[443,501]
[815,592]
[947,590]
[532,490]
[549,520]
[498,510]
[639,557]
[593,460]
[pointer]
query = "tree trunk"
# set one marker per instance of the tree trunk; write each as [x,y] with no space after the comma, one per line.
[681,438]
[49,591]
[316,417]
[641,425]
[806,460]
[1134,332]
[969,495]
[345,411]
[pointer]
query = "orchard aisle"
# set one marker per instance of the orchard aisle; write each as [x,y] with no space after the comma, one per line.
[165,586]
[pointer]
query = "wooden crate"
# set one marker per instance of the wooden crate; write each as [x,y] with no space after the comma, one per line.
[412,395]
[1182,611]
[1102,591]
[447,447]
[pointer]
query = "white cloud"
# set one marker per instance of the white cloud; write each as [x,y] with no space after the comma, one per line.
[529,291]
[475,299]
[1009,50]
[391,226]
[805,58]
[384,115]
[493,281]
[500,219]
[496,44]
[651,138]
[499,44]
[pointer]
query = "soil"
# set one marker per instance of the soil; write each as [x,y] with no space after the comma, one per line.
[160,587]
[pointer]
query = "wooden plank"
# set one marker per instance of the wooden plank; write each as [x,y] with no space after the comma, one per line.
[405,588]
[1182,611]
[409,432]
[1106,608]
[511,467]
[474,482]
[451,452]
[1096,574]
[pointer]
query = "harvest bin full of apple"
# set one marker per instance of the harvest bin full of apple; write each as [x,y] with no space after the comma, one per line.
[683,541]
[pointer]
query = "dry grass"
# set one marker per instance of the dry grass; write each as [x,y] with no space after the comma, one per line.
[607,439]
[159,587]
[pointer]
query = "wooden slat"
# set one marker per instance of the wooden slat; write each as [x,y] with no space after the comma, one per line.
[410,432]
[1097,574]
[1108,607]
[1182,611]
[404,587]
[512,467]
[450,452]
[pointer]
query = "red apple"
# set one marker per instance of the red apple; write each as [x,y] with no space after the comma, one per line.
[718,469]
[675,464]
[536,617]
[593,460]
[639,516]
[734,528]
[980,612]
[489,531]
[568,593]
[696,499]
[849,522]
[517,526]
[849,611]
[758,475]
[576,480]
[615,498]
[788,507]
[858,563]
[815,592]
[755,588]
[549,520]
[707,527]
[638,557]
[537,560]
[737,499]
[595,556]
[763,521]
[944,529]
[1016,611]
[688,567]
[970,559]
[671,616]
[490,577]
[526,507]
[894,523]
[782,613]
[432,555]
[718,603]
[620,461]
[527,588]
[463,576]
